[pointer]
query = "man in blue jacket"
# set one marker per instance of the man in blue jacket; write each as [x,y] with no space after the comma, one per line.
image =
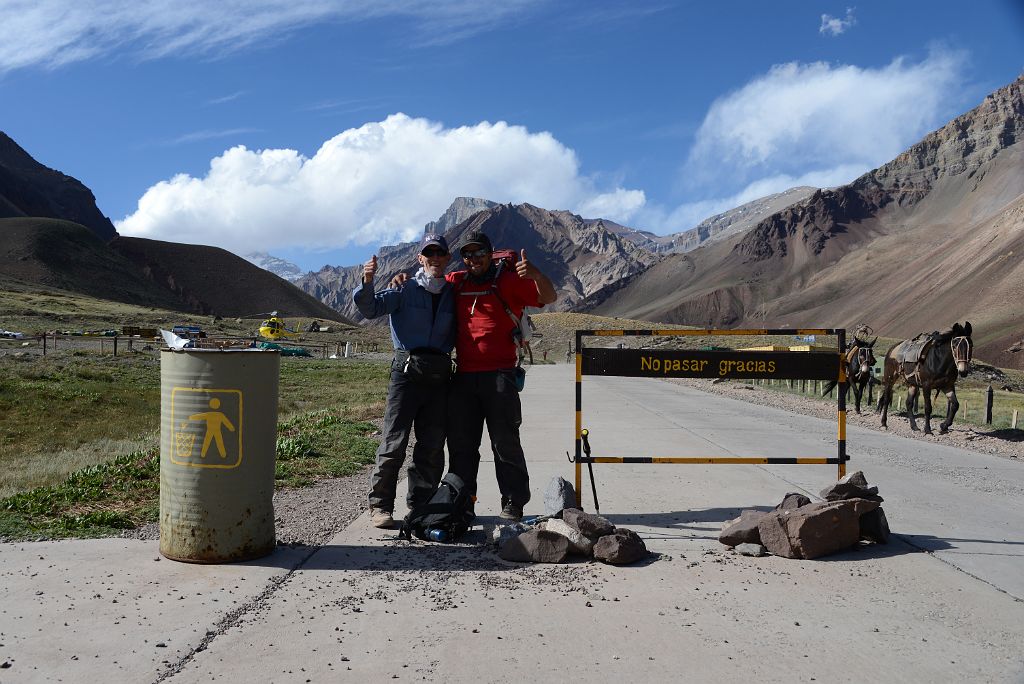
[422,317]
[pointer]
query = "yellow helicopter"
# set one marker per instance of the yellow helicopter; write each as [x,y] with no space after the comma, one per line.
[273,328]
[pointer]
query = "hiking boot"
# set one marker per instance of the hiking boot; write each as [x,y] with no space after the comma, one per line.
[381,518]
[511,512]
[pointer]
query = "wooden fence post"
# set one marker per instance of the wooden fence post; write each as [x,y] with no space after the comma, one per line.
[1013,423]
[988,406]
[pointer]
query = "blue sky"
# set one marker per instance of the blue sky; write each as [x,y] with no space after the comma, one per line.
[320,130]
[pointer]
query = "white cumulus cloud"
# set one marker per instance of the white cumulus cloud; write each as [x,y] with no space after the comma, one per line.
[837,25]
[374,184]
[821,116]
[815,124]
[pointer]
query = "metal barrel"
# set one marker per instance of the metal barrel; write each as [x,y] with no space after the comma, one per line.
[218,434]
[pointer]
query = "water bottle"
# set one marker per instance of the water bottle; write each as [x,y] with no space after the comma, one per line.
[434,534]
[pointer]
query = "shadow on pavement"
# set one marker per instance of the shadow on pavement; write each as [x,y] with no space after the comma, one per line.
[926,542]
[681,520]
[391,554]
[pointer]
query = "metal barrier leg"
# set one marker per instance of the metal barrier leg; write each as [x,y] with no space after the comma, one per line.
[593,487]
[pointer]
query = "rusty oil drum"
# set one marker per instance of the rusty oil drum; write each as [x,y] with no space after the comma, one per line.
[218,432]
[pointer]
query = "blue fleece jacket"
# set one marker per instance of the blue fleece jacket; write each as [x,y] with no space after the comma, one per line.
[413,323]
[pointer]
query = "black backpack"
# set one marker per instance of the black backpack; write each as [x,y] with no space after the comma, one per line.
[446,517]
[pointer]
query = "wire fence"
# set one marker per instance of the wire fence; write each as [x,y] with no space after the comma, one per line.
[114,345]
[1001,409]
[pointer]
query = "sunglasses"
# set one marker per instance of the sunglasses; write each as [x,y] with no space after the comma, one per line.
[475,254]
[433,253]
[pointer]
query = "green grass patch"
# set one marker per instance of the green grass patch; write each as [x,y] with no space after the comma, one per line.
[99,500]
[104,499]
[64,411]
[321,444]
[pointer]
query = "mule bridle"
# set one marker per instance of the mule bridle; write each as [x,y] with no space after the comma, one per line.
[961,348]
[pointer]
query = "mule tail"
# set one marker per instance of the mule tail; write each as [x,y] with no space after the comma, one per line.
[828,387]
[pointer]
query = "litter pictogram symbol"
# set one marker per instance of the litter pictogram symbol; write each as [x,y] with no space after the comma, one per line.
[215,415]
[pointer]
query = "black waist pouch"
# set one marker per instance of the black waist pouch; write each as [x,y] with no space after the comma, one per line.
[427,365]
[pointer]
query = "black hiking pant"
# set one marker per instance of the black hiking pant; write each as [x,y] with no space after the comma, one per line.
[487,397]
[411,405]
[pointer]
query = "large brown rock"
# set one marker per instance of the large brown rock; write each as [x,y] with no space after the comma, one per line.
[815,530]
[593,526]
[742,530]
[620,548]
[874,527]
[536,546]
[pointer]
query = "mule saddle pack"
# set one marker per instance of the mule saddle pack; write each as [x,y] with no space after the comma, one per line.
[915,349]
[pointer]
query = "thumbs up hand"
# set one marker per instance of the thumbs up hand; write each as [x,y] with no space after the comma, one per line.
[524,268]
[370,269]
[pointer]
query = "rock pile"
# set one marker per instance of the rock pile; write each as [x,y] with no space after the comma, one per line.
[799,528]
[552,538]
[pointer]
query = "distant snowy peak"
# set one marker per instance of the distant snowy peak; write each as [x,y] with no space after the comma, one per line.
[279,267]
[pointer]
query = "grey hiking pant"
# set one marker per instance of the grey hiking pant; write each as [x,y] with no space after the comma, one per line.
[418,406]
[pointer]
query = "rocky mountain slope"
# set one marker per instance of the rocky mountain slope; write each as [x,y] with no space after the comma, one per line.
[932,237]
[54,236]
[737,220]
[211,280]
[460,210]
[580,256]
[51,253]
[27,188]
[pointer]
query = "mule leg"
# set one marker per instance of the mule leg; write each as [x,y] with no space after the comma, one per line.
[951,408]
[911,402]
[927,411]
[884,402]
[858,392]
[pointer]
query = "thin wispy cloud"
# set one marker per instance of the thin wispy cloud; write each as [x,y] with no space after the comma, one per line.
[54,33]
[226,98]
[343,106]
[198,136]
[836,25]
[375,184]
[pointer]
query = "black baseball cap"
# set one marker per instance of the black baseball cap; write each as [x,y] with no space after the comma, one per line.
[433,240]
[476,237]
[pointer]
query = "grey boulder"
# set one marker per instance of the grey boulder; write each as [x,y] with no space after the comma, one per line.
[593,526]
[578,542]
[620,548]
[558,496]
[536,546]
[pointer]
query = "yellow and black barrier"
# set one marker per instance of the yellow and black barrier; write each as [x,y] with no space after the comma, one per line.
[712,364]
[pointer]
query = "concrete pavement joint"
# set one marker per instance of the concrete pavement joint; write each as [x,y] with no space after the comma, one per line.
[956,567]
[231,619]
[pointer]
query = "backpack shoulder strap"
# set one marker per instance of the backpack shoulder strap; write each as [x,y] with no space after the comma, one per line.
[460,281]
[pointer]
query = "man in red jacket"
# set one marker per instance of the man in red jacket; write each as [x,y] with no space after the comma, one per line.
[484,388]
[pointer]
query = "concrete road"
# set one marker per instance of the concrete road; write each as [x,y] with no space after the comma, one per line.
[942,602]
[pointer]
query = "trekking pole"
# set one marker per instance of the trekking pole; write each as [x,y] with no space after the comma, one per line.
[584,434]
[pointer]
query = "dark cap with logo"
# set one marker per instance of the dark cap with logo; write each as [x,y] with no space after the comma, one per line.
[434,240]
[476,237]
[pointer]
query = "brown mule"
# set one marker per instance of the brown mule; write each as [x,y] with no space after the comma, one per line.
[928,362]
[860,359]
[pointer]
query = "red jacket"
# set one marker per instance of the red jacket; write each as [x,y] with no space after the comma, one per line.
[483,340]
